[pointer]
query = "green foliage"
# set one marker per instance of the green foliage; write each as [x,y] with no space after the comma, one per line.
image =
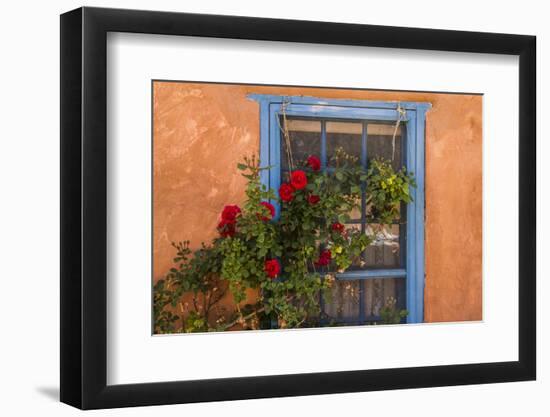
[197,276]
[195,323]
[244,254]
[390,314]
[386,190]
[164,319]
[188,298]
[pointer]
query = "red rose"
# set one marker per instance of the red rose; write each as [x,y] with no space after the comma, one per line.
[272,267]
[324,258]
[314,163]
[286,192]
[271,210]
[298,179]
[338,227]
[230,213]
[313,199]
[226,228]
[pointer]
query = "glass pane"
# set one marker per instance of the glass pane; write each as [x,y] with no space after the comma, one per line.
[355,213]
[358,263]
[345,135]
[384,252]
[381,144]
[342,300]
[383,292]
[305,140]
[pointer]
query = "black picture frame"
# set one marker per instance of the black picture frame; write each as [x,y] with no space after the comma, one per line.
[84,207]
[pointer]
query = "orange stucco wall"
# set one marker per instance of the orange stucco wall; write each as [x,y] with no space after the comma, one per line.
[201,131]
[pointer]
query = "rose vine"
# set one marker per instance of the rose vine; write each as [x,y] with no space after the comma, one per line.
[290,261]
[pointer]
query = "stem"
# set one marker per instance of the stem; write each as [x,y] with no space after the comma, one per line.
[249,316]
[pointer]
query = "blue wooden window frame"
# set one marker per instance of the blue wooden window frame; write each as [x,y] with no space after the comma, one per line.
[413,118]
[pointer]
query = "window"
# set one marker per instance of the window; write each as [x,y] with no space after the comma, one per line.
[393,266]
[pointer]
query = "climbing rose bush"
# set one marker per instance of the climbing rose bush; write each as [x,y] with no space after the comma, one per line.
[298,179]
[286,192]
[314,163]
[287,261]
[230,213]
[338,227]
[270,210]
[324,258]
[313,199]
[272,268]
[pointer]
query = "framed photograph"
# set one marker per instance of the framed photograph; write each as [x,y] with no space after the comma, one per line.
[258,208]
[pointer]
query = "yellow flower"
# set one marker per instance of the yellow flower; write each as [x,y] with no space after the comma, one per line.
[338,249]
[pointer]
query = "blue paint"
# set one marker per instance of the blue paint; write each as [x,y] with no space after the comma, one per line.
[407,105]
[415,218]
[364,159]
[419,277]
[264,144]
[372,274]
[338,112]
[323,145]
[364,145]
[414,121]
[411,226]
[274,140]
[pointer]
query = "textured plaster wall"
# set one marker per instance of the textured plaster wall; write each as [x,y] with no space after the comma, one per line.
[201,131]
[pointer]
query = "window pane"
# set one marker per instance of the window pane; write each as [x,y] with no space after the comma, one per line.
[342,303]
[381,292]
[380,143]
[342,300]
[384,252]
[373,216]
[345,135]
[355,213]
[305,140]
[358,263]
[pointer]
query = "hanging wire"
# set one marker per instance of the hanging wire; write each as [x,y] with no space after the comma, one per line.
[286,134]
[401,115]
